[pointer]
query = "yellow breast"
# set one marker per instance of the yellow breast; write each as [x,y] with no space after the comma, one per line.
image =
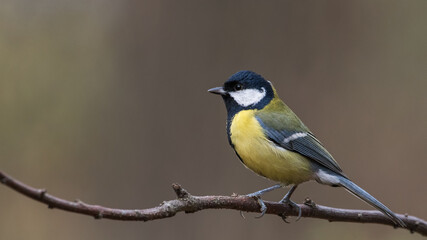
[262,156]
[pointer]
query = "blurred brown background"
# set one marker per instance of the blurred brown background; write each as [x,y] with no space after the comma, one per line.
[106,101]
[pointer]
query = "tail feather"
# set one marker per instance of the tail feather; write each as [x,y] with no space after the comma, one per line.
[365,196]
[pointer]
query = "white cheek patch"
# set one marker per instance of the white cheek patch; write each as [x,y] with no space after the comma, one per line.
[248,97]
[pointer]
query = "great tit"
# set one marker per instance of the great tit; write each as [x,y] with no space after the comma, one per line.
[273,142]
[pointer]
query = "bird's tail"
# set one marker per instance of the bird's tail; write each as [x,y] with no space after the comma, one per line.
[362,194]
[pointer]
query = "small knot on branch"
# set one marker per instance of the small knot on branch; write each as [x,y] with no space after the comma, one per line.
[42,193]
[99,216]
[80,203]
[3,179]
[179,191]
[309,202]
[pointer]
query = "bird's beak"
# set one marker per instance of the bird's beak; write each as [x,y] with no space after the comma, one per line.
[218,90]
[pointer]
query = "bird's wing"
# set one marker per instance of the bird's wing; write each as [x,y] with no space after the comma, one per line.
[300,140]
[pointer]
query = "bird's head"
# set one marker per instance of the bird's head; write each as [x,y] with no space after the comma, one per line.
[245,90]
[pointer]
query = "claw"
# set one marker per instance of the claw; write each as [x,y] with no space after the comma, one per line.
[241,214]
[299,214]
[284,218]
[293,205]
[257,196]
[287,200]
[263,208]
[261,204]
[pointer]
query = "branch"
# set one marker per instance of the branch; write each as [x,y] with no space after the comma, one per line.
[189,204]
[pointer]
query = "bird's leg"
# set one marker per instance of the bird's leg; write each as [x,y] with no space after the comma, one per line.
[287,200]
[261,203]
[261,192]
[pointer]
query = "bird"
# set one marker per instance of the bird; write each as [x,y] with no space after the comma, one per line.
[270,139]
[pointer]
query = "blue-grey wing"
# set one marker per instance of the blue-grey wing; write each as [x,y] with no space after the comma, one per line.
[303,142]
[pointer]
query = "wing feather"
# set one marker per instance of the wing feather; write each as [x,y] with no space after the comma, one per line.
[301,141]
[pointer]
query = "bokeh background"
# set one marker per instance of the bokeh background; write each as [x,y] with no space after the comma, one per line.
[106,101]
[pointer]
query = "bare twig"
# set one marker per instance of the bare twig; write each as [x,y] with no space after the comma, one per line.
[189,204]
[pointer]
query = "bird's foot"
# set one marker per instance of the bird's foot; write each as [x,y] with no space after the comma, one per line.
[293,205]
[263,207]
[257,196]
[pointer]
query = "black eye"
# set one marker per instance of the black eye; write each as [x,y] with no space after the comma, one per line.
[238,87]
